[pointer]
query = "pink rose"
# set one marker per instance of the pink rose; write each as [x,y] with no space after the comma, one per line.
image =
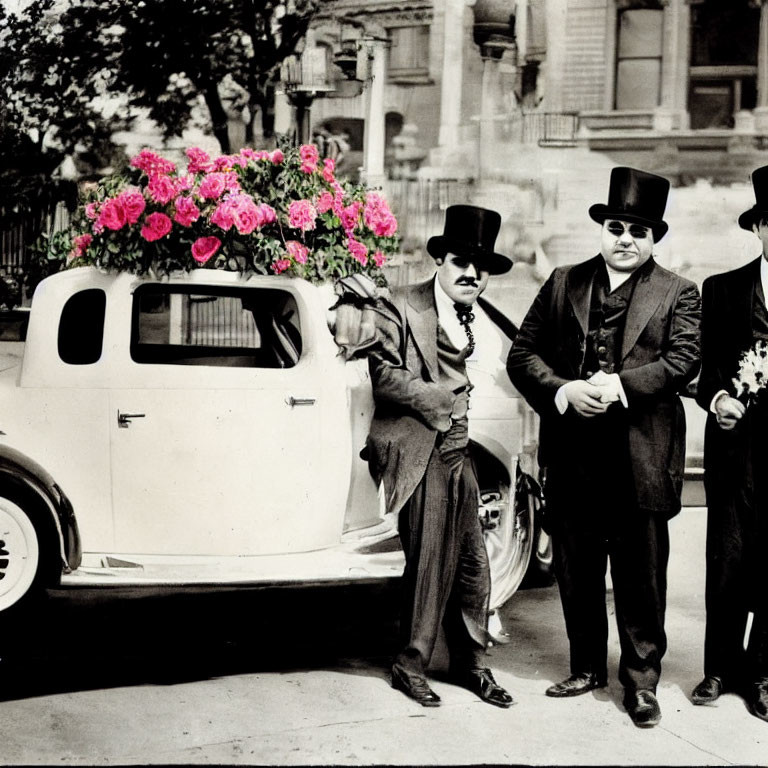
[92,211]
[199,160]
[156,225]
[150,162]
[358,251]
[324,202]
[277,157]
[309,157]
[186,211]
[268,213]
[161,188]
[378,217]
[350,216]
[246,216]
[111,214]
[297,251]
[280,265]
[205,247]
[302,215]
[379,258]
[222,216]
[213,185]
[133,203]
[79,247]
[329,166]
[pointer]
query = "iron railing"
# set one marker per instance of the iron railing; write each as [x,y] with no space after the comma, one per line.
[548,128]
[419,206]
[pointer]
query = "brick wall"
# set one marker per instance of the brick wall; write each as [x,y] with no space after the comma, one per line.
[584,73]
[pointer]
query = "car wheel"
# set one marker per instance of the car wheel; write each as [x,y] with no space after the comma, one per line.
[507,521]
[20,554]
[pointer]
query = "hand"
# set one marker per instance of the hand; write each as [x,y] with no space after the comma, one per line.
[584,398]
[608,386]
[353,326]
[728,411]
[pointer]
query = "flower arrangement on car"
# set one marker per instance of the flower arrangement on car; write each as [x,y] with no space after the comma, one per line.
[278,212]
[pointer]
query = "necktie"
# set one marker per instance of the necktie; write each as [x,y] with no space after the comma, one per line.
[466,317]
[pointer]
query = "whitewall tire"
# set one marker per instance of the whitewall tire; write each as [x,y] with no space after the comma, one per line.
[19,553]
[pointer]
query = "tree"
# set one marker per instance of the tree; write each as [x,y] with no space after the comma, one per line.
[72,72]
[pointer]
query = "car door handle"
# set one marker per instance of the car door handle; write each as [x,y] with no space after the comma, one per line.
[124,419]
[300,401]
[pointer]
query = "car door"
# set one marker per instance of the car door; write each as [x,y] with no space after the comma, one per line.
[230,435]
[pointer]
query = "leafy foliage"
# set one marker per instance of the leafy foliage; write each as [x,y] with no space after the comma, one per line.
[72,73]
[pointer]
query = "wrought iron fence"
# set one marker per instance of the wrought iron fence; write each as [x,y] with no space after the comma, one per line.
[419,205]
[18,232]
[549,128]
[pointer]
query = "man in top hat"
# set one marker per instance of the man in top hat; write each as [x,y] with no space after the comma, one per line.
[601,356]
[734,318]
[417,449]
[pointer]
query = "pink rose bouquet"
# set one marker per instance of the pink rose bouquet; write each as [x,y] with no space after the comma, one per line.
[271,212]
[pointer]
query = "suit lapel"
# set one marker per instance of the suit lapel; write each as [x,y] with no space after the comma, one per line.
[648,293]
[422,321]
[579,290]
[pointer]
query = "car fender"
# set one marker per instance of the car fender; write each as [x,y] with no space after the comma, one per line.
[20,472]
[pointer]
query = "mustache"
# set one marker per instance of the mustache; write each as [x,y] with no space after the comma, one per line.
[467,281]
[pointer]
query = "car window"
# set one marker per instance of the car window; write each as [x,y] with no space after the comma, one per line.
[81,327]
[233,327]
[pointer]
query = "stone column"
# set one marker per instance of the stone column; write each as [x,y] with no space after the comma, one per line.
[672,114]
[452,72]
[490,76]
[374,141]
[761,111]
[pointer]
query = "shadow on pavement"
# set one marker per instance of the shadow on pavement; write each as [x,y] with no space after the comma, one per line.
[95,639]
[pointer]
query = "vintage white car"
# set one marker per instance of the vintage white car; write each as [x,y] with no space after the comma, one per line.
[203,430]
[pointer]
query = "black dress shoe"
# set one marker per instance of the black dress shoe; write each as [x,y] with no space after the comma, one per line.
[414,686]
[708,690]
[481,682]
[576,684]
[758,698]
[642,707]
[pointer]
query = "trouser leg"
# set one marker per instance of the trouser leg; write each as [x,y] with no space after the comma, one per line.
[580,558]
[466,613]
[428,536]
[639,553]
[726,594]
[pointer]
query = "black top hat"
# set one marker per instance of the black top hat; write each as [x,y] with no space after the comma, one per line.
[760,209]
[471,231]
[637,197]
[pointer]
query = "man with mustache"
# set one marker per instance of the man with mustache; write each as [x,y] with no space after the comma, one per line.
[601,356]
[417,449]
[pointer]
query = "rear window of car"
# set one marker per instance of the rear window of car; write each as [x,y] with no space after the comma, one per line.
[81,327]
[230,327]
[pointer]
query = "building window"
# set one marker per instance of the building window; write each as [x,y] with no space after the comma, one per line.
[723,73]
[408,52]
[253,328]
[638,58]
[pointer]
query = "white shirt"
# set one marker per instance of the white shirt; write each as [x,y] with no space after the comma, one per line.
[487,356]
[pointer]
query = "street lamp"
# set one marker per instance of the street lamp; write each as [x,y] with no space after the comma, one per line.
[304,77]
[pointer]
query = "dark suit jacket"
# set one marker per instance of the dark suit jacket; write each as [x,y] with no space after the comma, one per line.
[411,404]
[659,356]
[726,332]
